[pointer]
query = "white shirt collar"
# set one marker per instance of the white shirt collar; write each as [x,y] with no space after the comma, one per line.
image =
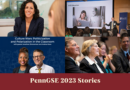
[42,67]
[90,61]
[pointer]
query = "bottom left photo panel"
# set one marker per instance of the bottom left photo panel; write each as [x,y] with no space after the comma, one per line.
[32,55]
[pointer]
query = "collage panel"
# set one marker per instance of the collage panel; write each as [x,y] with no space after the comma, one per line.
[27,55]
[97,54]
[95,18]
[32,18]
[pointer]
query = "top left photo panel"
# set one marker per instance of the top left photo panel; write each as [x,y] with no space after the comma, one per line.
[32,18]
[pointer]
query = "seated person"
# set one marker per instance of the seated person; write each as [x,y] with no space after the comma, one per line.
[112,51]
[121,58]
[29,23]
[23,61]
[79,32]
[104,58]
[128,29]
[74,30]
[123,31]
[96,33]
[71,52]
[89,64]
[104,32]
[115,31]
[68,33]
[40,67]
[56,18]
[87,32]
[95,20]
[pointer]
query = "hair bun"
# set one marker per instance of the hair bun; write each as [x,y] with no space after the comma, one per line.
[24,49]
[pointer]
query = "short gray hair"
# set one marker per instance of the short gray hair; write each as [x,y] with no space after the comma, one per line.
[67,40]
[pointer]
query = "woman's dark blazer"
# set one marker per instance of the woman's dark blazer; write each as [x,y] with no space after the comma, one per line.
[35,29]
[85,66]
[16,70]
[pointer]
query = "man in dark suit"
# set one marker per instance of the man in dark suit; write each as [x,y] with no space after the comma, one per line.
[71,52]
[112,24]
[128,29]
[121,58]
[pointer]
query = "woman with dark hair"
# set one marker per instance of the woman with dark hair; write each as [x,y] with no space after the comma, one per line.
[79,32]
[104,58]
[104,32]
[82,16]
[68,33]
[115,31]
[23,61]
[74,30]
[29,23]
[87,32]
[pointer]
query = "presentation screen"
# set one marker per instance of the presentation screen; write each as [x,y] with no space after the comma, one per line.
[91,13]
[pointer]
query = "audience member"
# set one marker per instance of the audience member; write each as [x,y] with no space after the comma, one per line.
[112,51]
[74,30]
[104,32]
[128,29]
[79,32]
[87,32]
[68,33]
[121,57]
[123,31]
[115,31]
[57,18]
[71,52]
[104,58]
[89,64]
[96,33]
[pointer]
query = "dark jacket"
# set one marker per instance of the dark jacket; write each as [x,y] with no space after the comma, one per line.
[114,25]
[85,66]
[16,70]
[35,29]
[71,66]
[120,62]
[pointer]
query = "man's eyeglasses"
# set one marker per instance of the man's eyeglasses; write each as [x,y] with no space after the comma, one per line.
[34,57]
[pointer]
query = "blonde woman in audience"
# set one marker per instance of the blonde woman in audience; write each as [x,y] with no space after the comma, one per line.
[96,33]
[112,51]
[123,31]
[57,18]
[89,64]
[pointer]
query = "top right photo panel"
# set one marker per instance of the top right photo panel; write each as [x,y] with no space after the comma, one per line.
[97,18]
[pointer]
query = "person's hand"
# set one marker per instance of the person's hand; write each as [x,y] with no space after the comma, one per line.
[107,59]
[79,24]
[104,23]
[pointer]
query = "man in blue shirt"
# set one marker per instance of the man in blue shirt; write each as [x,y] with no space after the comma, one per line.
[121,58]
